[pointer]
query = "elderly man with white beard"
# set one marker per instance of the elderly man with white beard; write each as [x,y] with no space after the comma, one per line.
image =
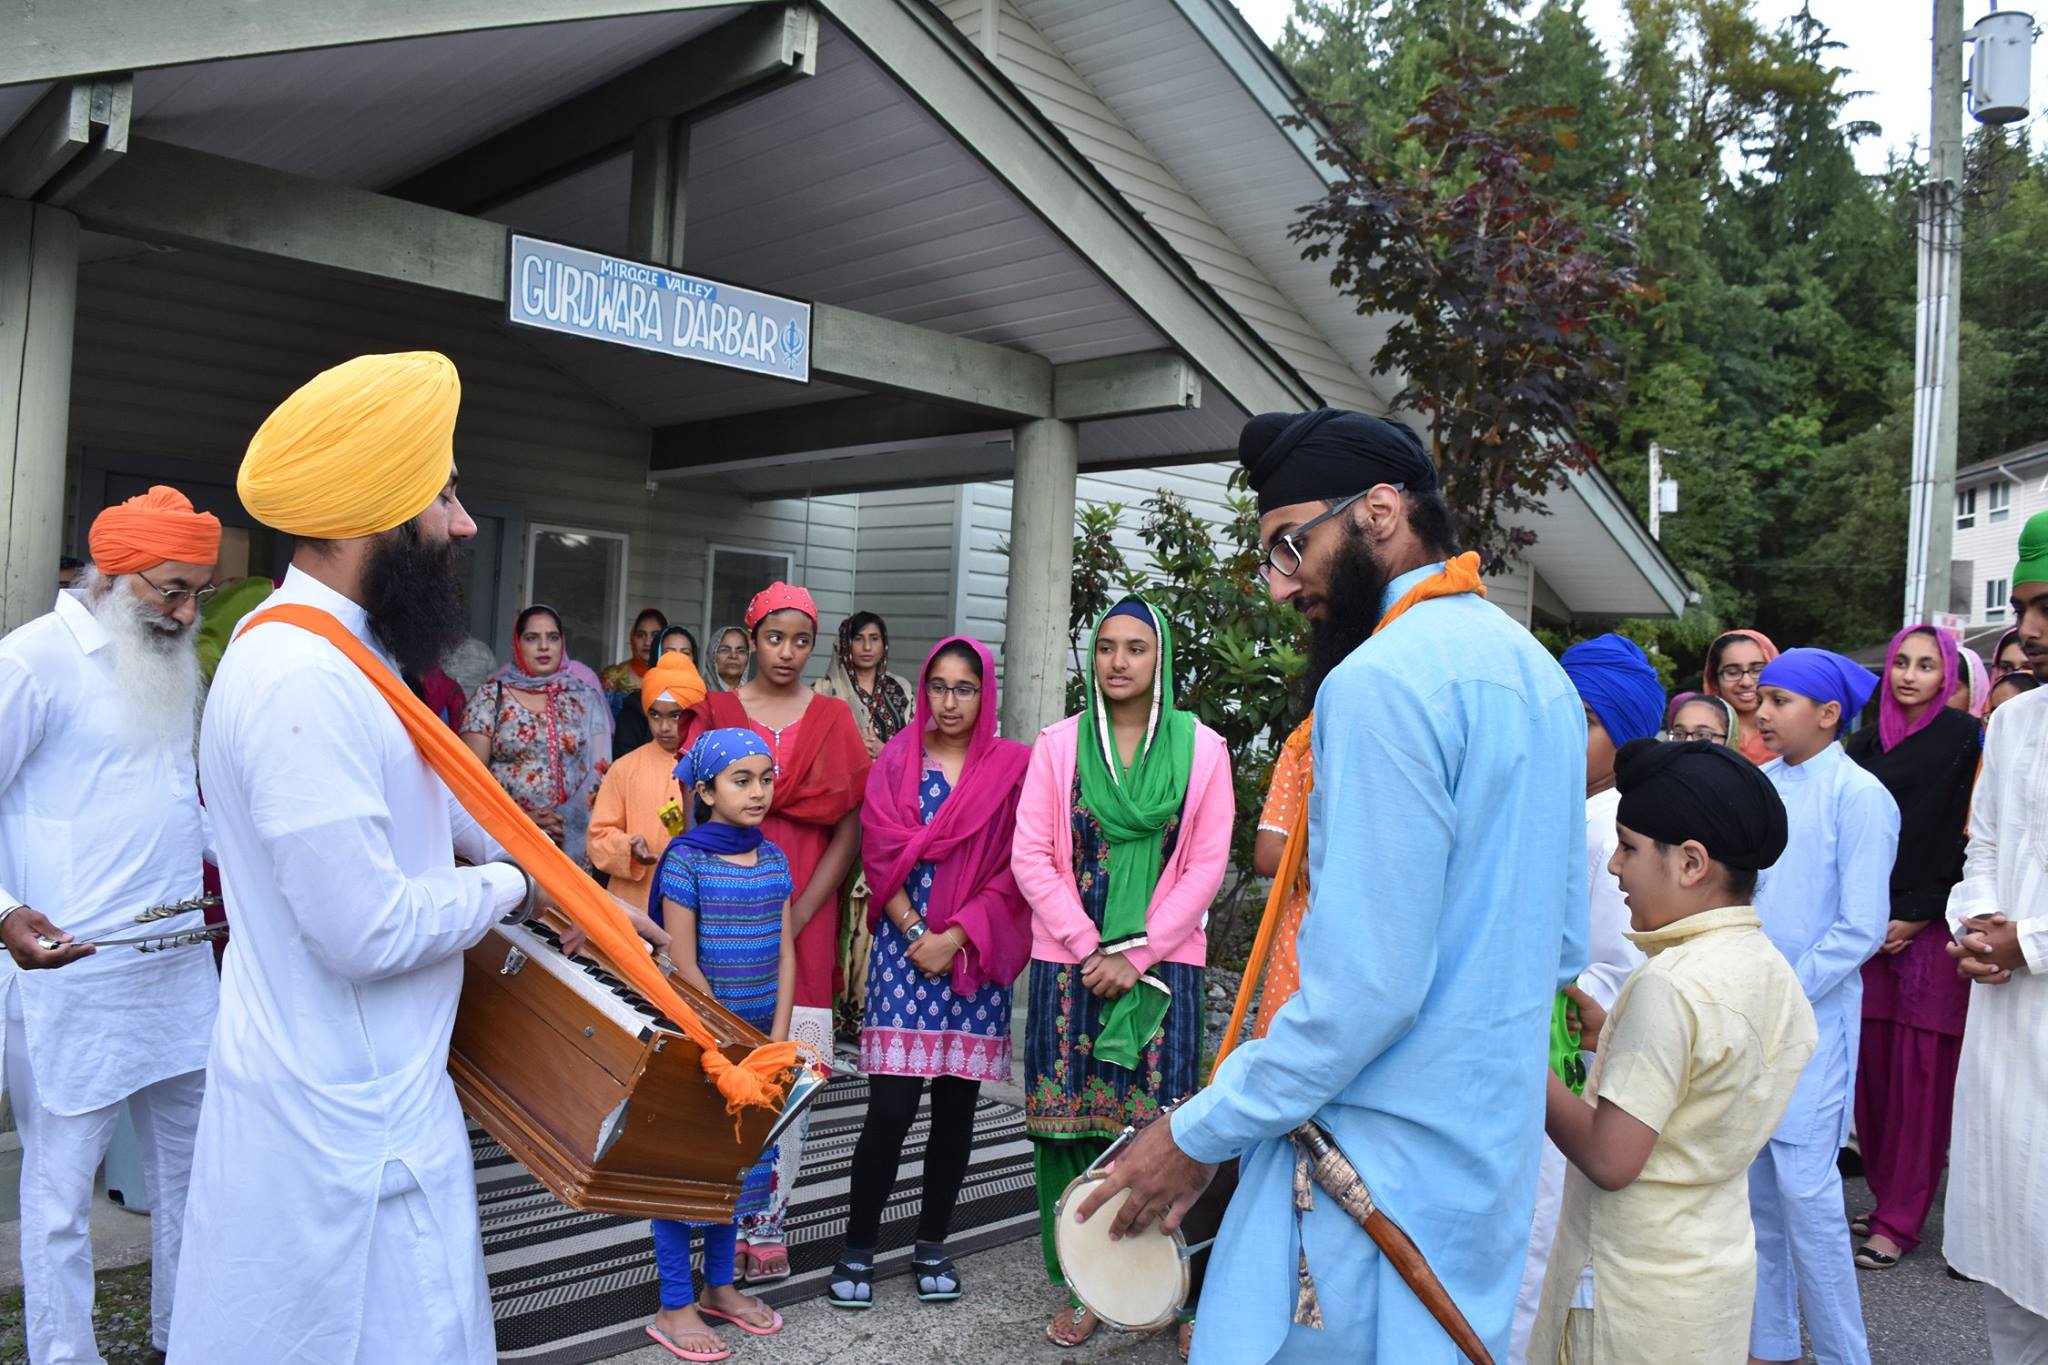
[100,821]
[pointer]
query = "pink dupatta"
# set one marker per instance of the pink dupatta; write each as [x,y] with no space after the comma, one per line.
[1894,725]
[968,841]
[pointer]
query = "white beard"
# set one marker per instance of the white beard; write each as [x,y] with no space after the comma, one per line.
[158,696]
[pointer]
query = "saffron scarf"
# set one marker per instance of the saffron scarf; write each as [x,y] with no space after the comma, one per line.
[1742,737]
[968,840]
[1132,805]
[1460,575]
[1894,726]
[759,1080]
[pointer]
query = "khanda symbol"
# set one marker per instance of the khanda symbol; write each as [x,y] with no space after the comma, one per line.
[793,342]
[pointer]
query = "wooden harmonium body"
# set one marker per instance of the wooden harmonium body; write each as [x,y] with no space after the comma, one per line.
[596,1092]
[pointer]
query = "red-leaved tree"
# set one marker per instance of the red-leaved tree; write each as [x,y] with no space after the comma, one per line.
[1497,293]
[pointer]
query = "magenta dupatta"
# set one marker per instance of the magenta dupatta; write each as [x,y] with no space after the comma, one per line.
[1894,727]
[968,841]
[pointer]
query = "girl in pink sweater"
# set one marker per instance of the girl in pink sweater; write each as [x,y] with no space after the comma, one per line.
[1123,837]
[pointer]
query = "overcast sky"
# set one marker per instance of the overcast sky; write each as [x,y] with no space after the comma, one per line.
[1886,51]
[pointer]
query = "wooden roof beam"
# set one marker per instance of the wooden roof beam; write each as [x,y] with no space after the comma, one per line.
[741,58]
[81,38]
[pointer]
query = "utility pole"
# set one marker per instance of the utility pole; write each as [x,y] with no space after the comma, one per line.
[1656,491]
[1936,397]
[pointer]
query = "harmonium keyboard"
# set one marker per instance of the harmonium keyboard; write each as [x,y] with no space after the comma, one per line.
[595,1091]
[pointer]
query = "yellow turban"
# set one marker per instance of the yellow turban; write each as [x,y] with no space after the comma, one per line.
[359,449]
[676,677]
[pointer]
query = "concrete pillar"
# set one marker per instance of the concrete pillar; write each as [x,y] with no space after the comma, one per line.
[660,189]
[1041,589]
[38,306]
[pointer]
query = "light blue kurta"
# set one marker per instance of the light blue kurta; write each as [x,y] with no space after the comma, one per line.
[1825,903]
[1447,884]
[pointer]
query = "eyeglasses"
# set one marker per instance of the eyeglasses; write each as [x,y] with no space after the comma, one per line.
[174,596]
[1730,673]
[1679,736]
[1284,558]
[960,692]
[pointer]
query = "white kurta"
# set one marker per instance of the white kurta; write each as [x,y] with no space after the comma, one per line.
[1613,958]
[331,1146]
[96,825]
[1997,1210]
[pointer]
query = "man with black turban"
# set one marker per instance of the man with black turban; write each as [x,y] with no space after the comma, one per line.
[1696,1064]
[1447,884]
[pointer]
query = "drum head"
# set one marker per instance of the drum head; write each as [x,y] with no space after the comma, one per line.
[1136,1285]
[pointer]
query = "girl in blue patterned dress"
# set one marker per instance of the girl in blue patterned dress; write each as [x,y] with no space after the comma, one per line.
[722,893]
[951,933]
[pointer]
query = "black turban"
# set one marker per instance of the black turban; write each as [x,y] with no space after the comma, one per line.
[1295,457]
[1703,791]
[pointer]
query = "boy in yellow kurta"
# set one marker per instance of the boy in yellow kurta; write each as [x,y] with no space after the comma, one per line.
[1696,1063]
[639,801]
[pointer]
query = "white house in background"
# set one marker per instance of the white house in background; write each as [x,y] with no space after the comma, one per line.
[1041,240]
[1994,498]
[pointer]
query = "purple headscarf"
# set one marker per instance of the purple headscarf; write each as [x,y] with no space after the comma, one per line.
[1894,726]
[968,840]
[1979,675]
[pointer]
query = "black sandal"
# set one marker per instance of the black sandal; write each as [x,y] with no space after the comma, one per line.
[1871,1259]
[942,1274]
[855,1278]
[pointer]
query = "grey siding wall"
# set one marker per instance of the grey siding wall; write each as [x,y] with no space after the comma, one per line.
[907,558]
[181,355]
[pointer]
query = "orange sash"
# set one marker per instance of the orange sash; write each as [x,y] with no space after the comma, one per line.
[1460,575]
[755,1081]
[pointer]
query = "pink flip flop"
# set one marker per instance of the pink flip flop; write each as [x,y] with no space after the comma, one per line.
[749,1328]
[661,1339]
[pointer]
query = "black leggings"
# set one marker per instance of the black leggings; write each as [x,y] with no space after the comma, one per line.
[892,1105]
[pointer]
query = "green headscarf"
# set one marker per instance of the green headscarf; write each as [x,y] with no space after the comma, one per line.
[1133,804]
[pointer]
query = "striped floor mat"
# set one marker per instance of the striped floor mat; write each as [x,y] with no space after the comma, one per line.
[569,1287]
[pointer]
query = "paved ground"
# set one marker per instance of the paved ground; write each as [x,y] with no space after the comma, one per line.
[1916,1314]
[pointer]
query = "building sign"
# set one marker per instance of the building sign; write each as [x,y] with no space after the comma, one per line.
[581,293]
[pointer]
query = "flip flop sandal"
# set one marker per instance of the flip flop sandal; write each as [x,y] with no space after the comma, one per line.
[661,1339]
[768,1264]
[1860,1226]
[1871,1259]
[1073,1316]
[754,1329]
[855,1278]
[942,1276]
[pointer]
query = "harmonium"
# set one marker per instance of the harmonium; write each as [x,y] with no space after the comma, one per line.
[597,1093]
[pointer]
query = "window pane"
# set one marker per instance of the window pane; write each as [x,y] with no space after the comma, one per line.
[578,574]
[736,575]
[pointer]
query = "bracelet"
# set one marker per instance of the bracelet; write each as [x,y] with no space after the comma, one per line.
[18,905]
[522,912]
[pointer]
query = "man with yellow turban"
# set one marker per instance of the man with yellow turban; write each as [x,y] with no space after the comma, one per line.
[100,822]
[333,1209]
[640,808]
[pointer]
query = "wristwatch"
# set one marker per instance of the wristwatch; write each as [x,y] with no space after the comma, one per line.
[916,931]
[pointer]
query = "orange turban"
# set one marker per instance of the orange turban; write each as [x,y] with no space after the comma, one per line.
[676,676]
[153,528]
[359,449]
